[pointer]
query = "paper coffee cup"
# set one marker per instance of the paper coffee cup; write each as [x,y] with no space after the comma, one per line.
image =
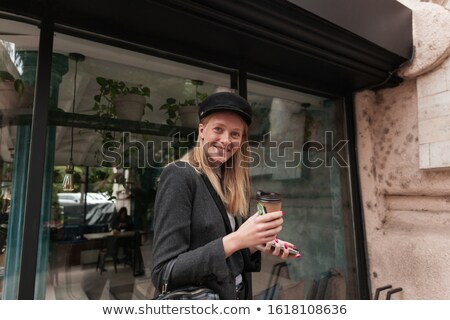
[270,200]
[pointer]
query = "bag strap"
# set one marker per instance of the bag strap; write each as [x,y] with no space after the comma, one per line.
[166,275]
[169,266]
[218,202]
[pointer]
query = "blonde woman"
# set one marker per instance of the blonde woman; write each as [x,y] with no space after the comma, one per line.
[212,237]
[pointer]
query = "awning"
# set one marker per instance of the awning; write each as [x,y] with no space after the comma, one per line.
[324,45]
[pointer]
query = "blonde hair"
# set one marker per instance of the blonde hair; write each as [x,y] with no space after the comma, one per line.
[234,187]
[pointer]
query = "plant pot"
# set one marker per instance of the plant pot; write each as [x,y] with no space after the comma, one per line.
[130,107]
[189,116]
[10,98]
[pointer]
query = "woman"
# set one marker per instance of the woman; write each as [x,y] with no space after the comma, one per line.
[212,244]
[121,221]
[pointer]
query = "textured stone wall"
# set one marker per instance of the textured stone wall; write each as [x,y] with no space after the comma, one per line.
[406,209]
[400,132]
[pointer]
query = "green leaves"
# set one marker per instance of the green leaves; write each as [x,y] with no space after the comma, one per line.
[172,107]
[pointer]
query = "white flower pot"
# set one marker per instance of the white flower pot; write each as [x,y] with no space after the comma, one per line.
[130,107]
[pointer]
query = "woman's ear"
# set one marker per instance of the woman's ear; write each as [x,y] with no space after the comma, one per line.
[201,128]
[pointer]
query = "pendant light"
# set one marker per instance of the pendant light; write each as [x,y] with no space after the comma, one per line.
[68,184]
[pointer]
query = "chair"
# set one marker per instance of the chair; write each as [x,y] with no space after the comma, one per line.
[110,249]
[138,267]
[273,285]
[329,286]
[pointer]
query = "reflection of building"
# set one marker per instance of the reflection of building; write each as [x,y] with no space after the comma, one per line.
[300,64]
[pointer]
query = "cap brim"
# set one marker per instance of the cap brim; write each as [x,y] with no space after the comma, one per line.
[237,110]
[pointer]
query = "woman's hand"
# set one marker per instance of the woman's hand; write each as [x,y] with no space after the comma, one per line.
[257,230]
[278,248]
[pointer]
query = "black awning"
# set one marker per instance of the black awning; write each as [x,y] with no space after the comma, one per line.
[328,46]
[386,23]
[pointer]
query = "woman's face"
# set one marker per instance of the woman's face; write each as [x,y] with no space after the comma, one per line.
[222,136]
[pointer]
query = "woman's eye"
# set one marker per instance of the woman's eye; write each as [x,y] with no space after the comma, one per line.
[217,129]
[235,134]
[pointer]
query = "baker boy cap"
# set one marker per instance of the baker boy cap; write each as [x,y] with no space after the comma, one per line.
[226,101]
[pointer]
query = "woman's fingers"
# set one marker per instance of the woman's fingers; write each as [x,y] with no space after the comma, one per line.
[260,229]
[280,249]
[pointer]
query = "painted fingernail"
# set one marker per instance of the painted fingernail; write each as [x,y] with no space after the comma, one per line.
[282,213]
[276,240]
[298,255]
[285,246]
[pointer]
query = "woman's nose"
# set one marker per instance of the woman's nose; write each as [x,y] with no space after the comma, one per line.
[225,138]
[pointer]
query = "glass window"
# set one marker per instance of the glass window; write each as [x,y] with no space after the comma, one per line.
[18,43]
[299,150]
[101,160]
[117,156]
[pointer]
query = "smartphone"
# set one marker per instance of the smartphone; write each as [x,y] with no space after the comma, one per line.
[291,251]
[261,209]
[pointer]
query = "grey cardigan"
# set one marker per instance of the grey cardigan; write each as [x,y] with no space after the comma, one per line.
[188,225]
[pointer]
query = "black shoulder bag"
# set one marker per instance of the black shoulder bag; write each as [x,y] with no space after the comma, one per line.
[183,293]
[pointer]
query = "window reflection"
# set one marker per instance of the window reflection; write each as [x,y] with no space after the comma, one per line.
[294,158]
[17,77]
[117,161]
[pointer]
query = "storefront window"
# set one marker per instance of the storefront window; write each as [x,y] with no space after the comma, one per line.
[299,150]
[86,249]
[88,252]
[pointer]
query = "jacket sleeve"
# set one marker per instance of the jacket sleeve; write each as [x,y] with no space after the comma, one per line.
[172,233]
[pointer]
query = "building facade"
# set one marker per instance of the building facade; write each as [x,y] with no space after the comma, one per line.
[403,153]
[348,128]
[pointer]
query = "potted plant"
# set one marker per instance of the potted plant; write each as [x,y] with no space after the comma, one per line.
[118,100]
[13,92]
[186,111]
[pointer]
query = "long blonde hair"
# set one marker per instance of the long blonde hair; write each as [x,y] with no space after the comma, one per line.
[234,188]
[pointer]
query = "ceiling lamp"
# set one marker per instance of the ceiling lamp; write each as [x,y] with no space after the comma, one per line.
[68,184]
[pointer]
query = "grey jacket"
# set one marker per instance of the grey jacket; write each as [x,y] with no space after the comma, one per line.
[189,226]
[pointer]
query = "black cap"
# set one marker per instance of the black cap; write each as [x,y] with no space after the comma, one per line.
[226,101]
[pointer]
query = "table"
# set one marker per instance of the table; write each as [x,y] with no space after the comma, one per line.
[103,235]
[128,246]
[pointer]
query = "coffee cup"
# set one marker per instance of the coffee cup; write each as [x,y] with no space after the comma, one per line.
[270,200]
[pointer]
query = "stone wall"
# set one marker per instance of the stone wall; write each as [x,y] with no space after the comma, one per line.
[402,133]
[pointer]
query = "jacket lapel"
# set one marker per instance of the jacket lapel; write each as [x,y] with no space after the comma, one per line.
[219,203]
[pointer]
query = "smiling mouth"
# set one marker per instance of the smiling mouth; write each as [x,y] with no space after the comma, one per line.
[224,149]
[220,151]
